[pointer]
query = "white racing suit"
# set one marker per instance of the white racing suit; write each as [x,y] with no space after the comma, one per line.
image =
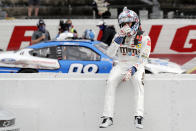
[128,55]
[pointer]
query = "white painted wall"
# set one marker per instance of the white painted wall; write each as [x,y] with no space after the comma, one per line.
[62,102]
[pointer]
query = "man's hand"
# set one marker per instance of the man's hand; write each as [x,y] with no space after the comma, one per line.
[129,73]
[39,39]
[43,37]
[125,31]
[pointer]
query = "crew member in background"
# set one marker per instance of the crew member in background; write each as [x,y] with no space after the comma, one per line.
[64,31]
[106,32]
[71,27]
[41,34]
[88,34]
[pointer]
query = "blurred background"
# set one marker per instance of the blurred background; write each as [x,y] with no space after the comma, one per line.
[52,9]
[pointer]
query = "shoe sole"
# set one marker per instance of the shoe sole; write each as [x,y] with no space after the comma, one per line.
[105,127]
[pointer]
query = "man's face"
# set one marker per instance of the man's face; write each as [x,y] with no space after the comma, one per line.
[42,27]
[70,23]
[129,24]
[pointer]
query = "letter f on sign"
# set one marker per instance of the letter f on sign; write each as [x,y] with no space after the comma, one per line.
[18,36]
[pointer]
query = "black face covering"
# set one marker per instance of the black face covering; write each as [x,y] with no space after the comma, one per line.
[64,27]
[42,28]
[133,23]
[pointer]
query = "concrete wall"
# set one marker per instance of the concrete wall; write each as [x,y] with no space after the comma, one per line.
[48,102]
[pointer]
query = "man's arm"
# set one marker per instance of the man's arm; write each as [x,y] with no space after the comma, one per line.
[49,38]
[113,48]
[144,52]
[35,40]
[117,40]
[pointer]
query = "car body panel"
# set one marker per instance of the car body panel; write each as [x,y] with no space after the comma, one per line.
[157,66]
[22,59]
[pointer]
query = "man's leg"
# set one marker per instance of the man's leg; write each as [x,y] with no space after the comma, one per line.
[36,11]
[115,77]
[138,83]
[37,3]
[30,9]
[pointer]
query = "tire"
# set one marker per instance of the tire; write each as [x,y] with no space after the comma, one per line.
[28,71]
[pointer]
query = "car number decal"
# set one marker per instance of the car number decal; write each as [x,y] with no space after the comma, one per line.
[78,68]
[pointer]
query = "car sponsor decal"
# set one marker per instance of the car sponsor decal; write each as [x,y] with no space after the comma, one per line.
[8,60]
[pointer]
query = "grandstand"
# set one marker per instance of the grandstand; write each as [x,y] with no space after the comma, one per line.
[83,8]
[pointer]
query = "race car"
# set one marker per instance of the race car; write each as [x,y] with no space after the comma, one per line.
[74,56]
[71,56]
[159,66]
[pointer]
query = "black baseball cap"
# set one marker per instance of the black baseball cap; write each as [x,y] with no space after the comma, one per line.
[40,22]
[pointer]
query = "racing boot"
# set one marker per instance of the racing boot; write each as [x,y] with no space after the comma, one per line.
[139,122]
[107,121]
